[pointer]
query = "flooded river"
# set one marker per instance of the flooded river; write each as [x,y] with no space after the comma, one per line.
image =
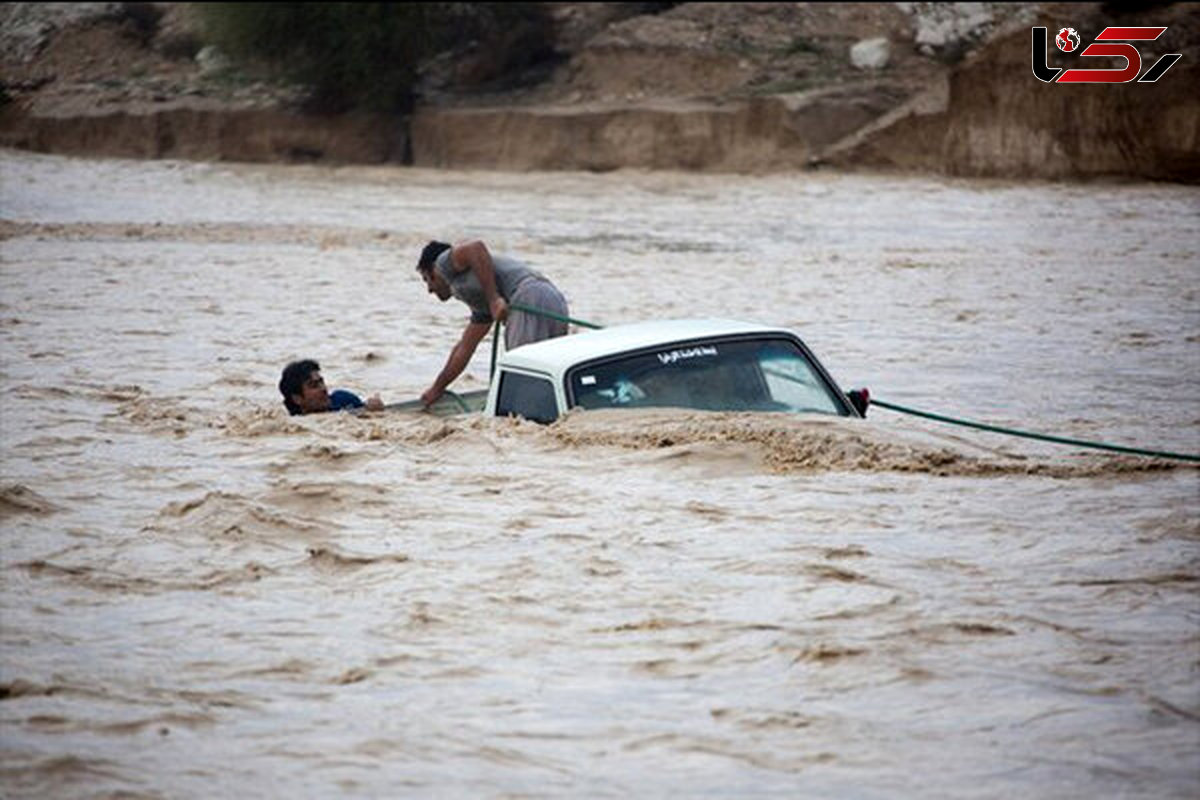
[202,597]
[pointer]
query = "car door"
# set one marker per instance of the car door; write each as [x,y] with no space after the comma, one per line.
[528,395]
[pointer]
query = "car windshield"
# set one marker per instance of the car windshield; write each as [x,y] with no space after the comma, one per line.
[766,374]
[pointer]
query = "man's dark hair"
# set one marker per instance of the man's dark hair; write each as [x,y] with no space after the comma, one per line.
[429,255]
[292,381]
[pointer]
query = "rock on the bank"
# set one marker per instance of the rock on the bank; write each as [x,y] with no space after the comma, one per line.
[871,53]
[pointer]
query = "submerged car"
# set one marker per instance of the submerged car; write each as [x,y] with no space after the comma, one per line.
[704,364]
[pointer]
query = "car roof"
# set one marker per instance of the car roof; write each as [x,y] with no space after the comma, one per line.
[559,354]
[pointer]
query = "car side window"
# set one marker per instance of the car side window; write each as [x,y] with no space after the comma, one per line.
[526,396]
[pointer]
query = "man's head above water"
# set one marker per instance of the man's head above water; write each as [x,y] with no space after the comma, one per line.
[303,388]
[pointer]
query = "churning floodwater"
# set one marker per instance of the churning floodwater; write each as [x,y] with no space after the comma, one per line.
[202,597]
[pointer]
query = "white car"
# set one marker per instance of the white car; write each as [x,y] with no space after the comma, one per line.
[708,364]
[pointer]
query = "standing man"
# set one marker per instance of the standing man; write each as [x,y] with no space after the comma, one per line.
[488,284]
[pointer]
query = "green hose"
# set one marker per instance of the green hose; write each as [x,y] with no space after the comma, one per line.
[541,312]
[465,408]
[495,345]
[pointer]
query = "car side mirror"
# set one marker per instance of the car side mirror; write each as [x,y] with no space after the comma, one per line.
[860,399]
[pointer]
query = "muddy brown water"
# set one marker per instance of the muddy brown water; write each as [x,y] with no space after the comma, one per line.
[203,597]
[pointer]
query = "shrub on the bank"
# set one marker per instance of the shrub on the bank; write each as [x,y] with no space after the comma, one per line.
[366,55]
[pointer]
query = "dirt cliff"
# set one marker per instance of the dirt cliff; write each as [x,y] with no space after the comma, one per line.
[943,88]
[991,118]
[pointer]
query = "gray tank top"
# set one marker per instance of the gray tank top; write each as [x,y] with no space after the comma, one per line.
[510,274]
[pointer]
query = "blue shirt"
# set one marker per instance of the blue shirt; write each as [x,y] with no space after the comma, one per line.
[340,399]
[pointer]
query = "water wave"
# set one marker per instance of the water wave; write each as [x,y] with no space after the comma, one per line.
[808,444]
[779,443]
[19,499]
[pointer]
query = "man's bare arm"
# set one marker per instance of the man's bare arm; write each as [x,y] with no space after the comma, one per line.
[459,357]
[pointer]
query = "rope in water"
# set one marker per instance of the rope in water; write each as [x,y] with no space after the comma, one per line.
[1116,448]
[1043,437]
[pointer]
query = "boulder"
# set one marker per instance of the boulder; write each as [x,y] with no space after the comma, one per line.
[871,53]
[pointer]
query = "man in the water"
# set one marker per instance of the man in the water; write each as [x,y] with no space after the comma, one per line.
[304,391]
[488,285]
